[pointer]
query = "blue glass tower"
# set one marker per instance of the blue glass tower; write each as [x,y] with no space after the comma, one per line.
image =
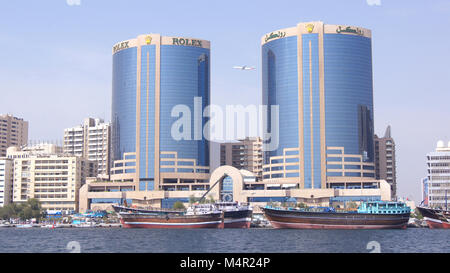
[320,76]
[152,75]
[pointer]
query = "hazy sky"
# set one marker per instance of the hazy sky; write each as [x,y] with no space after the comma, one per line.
[55,59]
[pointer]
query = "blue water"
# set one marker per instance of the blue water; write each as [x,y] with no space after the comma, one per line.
[112,240]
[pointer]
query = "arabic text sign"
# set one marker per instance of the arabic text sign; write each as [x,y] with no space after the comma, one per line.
[357,31]
[274,35]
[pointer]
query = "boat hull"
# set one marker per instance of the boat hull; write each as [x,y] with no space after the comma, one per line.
[434,213]
[24,226]
[119,209]
[330,220]
[133,220]
[232,218]
[238,219]
[436,223]
[435,218]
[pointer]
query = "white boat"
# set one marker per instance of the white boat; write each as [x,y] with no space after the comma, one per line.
[24,226]
[85,225]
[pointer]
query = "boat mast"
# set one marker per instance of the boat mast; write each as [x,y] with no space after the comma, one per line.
[446,207]
[217,182]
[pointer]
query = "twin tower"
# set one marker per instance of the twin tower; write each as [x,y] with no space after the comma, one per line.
[319,75]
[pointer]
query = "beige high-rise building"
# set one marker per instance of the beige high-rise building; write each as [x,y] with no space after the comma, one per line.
[244,154]
[53,178]
[90,140]
[385,160]
[13,132]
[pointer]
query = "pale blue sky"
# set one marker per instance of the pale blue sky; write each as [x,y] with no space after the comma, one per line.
[55,59]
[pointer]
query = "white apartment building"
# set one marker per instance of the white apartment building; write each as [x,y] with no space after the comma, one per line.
[6,181]
[438,167]
[90,140]
[13,132]
[52,178]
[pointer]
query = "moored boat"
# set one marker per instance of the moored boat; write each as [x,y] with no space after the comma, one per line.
[236,215]
[435,218]
[369,215]
[85,225]
[122,208]
[24,226]
[198,216]
[436,223]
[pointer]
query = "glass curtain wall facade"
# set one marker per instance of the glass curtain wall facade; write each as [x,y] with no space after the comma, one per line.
[151,75]
[320,76]
[184,75]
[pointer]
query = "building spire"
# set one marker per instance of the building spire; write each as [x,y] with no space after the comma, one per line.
[387,134]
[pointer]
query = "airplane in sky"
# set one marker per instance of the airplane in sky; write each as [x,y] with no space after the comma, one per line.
[244,67]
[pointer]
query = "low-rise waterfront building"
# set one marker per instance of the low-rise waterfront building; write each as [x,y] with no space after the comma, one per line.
[52,178]
[233,184]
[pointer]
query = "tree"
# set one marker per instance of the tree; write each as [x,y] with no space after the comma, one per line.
[31,209]
[178,205]
[10,211]
[192,199]
[35,209]
[336,206]
[34,204]
[14,210]
[3,213]
[26,213]
[211,199]
[43,214]
[352,205]
[416,214]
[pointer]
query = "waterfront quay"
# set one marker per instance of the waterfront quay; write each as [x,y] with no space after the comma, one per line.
[258,221]
[50,225]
